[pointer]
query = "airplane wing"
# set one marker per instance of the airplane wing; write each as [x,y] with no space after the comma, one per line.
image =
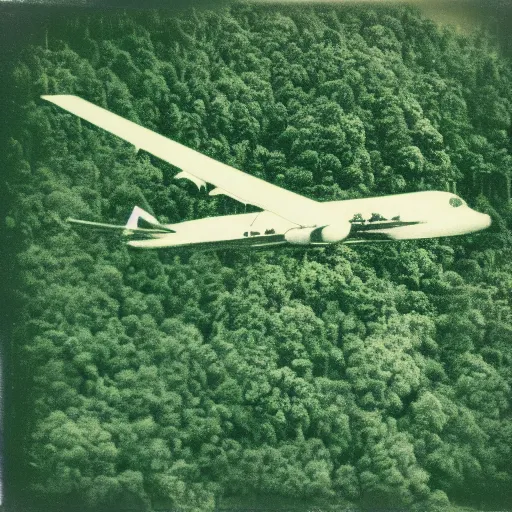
[227,180]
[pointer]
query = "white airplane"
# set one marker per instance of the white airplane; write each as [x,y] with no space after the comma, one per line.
[286,217]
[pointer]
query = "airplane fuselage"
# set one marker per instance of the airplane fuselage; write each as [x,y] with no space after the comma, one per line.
[395,217]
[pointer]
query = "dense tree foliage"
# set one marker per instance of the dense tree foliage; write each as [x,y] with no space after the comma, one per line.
[375,375]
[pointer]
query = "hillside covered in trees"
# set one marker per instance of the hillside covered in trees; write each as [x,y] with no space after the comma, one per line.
[375,376]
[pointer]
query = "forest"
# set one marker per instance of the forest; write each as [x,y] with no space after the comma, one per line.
[363,377]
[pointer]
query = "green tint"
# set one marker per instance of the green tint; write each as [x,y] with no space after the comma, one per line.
[370,377]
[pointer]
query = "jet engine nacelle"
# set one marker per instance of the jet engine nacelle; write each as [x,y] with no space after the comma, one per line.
[318,235]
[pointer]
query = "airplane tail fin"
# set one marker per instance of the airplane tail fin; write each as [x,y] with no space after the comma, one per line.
[141,219]
[139,223]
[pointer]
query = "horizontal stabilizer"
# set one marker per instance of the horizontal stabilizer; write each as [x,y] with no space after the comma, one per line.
[158,229]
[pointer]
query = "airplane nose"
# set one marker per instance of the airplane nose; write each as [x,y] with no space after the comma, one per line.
[486,220]
[476,222]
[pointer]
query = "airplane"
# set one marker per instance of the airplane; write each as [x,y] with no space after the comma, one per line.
[286,218]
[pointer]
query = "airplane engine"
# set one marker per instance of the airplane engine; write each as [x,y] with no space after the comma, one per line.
[318,235]
[335,232]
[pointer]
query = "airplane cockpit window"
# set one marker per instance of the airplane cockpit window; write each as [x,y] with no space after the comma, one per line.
[456,202]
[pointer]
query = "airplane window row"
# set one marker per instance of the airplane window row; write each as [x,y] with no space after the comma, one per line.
[256,233]
[376,217]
